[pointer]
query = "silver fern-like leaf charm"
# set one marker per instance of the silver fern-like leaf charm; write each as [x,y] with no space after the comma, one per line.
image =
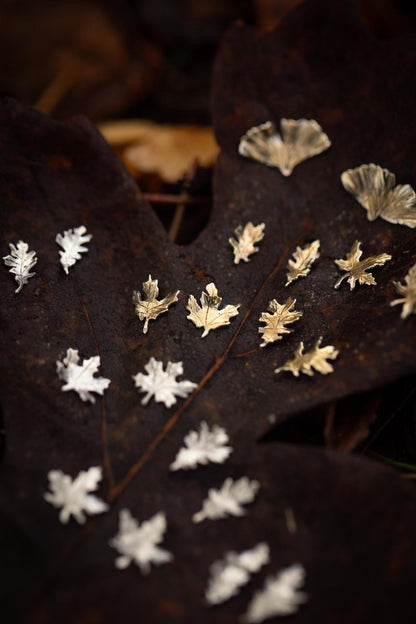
[21,260]
[375,189]
[228,500]
[202,448]
[300,139]
[229,574]
[72,243]
[280,595]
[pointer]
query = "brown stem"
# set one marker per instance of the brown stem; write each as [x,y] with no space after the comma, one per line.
[106,459]
[117,490]
[56,90]
[183,198]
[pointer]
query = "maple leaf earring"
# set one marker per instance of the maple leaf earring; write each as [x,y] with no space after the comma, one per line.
[207,315]
[150,307]
[244,247]
[356,269]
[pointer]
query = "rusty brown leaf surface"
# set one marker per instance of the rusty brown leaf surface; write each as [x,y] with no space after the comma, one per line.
[352,516]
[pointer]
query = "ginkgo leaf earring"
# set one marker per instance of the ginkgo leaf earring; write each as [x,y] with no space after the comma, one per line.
[150,307]
[375,189]
[21,260]
[72,243]
[300,139]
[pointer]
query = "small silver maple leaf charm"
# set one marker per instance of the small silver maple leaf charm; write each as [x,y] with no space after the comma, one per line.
[315,359]
[303,260]
[228,500]
[162,385]
[228,575]
[356,269]
[202,448]
[139,542]
[21,260]
[72,243]
[150,307]
[280,316]
[408,289]
[208,315]
[375,189]
[81,377]
[73,494]
[244,246]
[300,139]
[280,595]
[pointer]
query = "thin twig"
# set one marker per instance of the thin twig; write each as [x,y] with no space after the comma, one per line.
[56,90]
[183,198]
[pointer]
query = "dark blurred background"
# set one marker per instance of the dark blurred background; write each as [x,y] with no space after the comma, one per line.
[128,58]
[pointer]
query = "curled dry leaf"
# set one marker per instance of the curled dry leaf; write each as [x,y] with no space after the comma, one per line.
[208,315]
[21,260]
[280,316]
[300,139]
[150,307]
[375,189]
[163,149]
[408,290]
[244,246]
[315,359]
[356,269]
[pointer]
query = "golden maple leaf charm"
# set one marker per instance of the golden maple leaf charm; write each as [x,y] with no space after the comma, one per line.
[303,260]
[150,307]
[357,269]
[408,289]
[244,247]
[280,316]
[208,315]
[316,359]
[375,189]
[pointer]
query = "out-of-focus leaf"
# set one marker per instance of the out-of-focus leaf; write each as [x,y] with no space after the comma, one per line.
[168,150]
